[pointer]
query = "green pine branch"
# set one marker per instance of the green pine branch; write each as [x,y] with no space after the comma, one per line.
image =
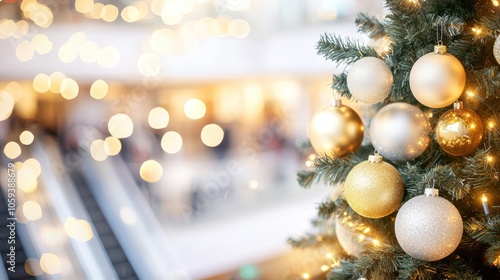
[328,170]
[333,47]
[370,26]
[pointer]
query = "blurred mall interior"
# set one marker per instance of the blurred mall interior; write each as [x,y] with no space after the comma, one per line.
[159,139]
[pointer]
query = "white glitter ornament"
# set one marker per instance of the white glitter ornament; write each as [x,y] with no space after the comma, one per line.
[400,132]
[428,227]
[496,49]
[349,240]
[437,79]
[370,80]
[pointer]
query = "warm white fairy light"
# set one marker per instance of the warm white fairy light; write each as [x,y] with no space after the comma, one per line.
[495,3]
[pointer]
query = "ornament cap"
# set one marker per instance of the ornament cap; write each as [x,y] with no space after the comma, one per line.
[458,105]
[441,49]
[431,192]
[376,158]
[335,102]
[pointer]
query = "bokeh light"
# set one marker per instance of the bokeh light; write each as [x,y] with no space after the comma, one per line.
[149,64]
[12,150]
[151,171]
[41,44]
[99,89]
[41,83]
[212,135]
[158,118]
[25,51]
[239,28]
[32,267]
[80,230]
[27,179]
[128,215]
[195,109]
[26,137]
[120,126]
[69,89]
[84,6]
[50,263]
[14,89]
[6,105]
[56,79]
[112,146]
[130,14]
[98,151]
[67,53]
[32,210]
[7,28]
[108,57]
[34,165]
[171,142]
[109,13]
[22,28]
[89,51]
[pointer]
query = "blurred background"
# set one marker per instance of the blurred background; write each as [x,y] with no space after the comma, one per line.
[159,139]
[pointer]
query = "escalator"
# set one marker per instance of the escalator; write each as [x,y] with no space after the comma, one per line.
[115,252]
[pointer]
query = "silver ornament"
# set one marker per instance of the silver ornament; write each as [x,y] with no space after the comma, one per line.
[428,227]
[349,240]
[370,80]
[400,132]
[496,49]
[437,79]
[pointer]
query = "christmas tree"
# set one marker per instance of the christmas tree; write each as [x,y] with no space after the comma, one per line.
[419,202]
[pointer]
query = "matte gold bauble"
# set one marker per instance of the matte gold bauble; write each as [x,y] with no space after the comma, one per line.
[336,130]
[437,79]
[428,227]
[370,80]
[459,131]
[374,188]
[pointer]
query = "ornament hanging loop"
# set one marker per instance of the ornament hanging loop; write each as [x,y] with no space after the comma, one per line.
[439,35]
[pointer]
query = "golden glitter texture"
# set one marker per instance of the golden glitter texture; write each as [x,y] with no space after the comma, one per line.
[374,188]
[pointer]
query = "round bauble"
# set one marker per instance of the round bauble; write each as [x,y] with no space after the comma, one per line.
[400,132]
[370,80]
[496,49]
[336,130]
[437,79]
[349,240]
[459,131]
[428,227]
[374,188]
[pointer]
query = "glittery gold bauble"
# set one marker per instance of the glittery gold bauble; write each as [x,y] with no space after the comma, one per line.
[370,80]
[400,131]
[336,130]
[428,227]
[459,131]
[496,49]
[374,188]
[437,79]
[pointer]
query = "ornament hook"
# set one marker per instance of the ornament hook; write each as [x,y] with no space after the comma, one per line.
[439,37]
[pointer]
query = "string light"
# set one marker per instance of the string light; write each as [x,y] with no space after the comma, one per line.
[329,255]
[324,267]
[305,276]
[495,3]
[491,125]
[486,207]
[477,30]
[376,242]
[469,93]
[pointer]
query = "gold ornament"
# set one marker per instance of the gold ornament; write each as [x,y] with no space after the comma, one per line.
[370,80]
[336,130]
[437,79]
[428,227]
[459,131]
[496,49]
[374,188]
